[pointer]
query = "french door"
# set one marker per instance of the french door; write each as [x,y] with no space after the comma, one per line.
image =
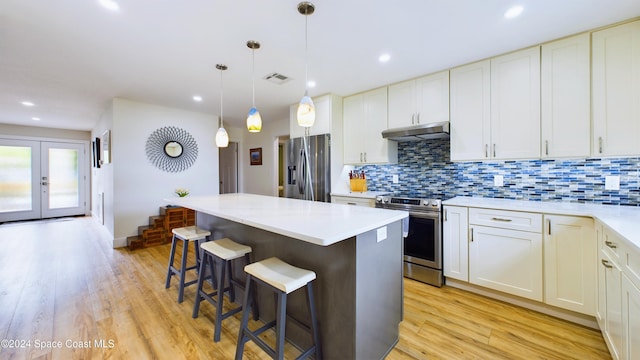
[41,179]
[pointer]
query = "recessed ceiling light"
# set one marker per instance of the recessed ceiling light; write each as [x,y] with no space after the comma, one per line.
[27,103]
[311,83]
[513,12]
[110,4]
[197,98]
[35,118]
[384,58]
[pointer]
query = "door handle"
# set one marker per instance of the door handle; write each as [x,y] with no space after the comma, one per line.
[610,244]
[471,237]
[606,264]
[501,219]
[45,183]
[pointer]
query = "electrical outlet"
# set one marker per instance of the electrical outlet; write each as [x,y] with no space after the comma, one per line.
[395,179]
[612,182]
[498,180]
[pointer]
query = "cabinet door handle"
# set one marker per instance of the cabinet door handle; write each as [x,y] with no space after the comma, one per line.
[501,219]
[486,150]
[494,150]
[546,147]
[445,215]
[418,118]
[350,203]
[549,226]
[610,244]
[471,237]
[606,264]
[600,144]
[365,157]
[413,119]
[361,157]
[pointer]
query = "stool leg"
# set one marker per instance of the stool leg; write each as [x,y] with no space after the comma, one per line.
[315,332]
[183,269]
[254,303]
[232,291]
[173,253]
[245,321]
[201,277]
[281,314]
[221,289]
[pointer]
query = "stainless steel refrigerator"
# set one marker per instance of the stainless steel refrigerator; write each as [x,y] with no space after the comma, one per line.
[308,158]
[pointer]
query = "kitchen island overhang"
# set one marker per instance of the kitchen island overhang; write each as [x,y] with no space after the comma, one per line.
[356,253]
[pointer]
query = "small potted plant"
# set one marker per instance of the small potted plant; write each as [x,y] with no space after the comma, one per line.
[182,192]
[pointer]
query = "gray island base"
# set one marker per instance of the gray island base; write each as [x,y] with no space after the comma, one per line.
[358,288]
[355,251]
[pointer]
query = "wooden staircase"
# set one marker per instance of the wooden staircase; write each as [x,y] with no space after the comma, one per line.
[158,231]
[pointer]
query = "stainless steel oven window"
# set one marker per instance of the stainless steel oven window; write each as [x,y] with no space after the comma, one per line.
[423,243]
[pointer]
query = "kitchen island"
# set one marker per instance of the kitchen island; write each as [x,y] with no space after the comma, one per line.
[356,253]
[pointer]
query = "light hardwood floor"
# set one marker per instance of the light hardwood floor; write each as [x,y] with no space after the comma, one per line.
[62,282]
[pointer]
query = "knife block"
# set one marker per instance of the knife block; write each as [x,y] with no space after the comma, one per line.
[358,185]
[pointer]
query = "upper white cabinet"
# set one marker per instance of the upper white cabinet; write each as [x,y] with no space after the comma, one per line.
[495,108]
[419,101]
[616,90]
[470,130]
[515,105]
[365,117]
[570,255]
[328,116]
[455,247]
[565,102]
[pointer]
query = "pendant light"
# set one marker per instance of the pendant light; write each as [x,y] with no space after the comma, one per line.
[306,114]
[254,120]
[222,138]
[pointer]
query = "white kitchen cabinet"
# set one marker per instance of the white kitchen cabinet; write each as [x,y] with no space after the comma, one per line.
[570,255]
[470,130]
[353,200]
[365,117]
[565,100]
[420,101]
[504,259]
[328,116]
[616,90]
[515,105]
[601,298]
[455,248]
[631,318]
[612,285]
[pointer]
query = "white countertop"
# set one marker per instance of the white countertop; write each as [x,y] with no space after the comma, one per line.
[624,220]
[365,195]
[315,222]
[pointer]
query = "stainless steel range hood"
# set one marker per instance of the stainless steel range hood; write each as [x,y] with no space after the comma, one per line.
[439,130]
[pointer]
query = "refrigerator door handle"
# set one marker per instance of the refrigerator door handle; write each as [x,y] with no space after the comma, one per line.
[300,179]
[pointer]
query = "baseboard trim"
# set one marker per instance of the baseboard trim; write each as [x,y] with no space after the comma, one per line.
[574,317]
[120,242]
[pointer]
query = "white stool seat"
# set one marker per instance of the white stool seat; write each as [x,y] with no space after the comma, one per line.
[226,249]
[191,233]
[280,275]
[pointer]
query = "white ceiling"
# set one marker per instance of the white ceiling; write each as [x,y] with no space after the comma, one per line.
[71,57]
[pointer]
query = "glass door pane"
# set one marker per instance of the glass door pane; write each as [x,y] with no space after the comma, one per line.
[62,179]
[19,180]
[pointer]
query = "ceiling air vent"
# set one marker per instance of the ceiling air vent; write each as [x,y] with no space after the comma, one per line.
[277,78]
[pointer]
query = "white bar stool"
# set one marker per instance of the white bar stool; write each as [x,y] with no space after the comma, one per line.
[223,251]
[186,234]
[282,279]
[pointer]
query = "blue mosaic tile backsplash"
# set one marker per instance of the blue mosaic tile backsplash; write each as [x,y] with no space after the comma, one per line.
[425,170]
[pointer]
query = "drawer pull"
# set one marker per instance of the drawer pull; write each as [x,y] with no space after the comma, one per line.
[501,219]
[350,203]
[606,264]
[611,244]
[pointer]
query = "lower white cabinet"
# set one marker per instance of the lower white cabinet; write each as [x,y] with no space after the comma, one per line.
[612,288]
[506,260]
[352,200]
[631,320]
[455,248]
[570,256]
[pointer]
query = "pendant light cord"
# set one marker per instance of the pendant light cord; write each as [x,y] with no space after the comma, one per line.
[221,109]
[253,77]
[306,55]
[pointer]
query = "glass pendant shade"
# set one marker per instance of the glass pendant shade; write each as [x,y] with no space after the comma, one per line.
[306,112]
[254,120]
[222,138]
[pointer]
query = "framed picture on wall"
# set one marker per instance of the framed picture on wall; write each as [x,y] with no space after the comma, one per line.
[255,156]
[106,147]
[98,150]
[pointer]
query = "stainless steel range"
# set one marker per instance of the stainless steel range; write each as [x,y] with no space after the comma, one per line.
[423,238]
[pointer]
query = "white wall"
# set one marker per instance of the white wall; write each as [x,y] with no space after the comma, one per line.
[134,187]
[102,179]
[262,179]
